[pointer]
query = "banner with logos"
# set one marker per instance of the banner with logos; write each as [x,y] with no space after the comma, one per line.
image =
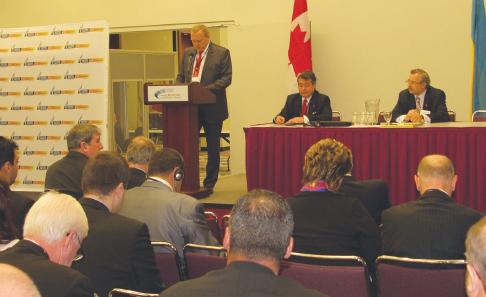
[51,78]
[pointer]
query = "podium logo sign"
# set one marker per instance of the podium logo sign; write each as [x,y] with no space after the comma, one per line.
[167,94]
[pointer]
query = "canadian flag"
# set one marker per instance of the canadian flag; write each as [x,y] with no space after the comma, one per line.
[300,51]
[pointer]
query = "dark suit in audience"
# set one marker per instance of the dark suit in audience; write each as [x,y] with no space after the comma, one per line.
[136,177]
[19,205]
[373,193]
[52,280]
[433,227]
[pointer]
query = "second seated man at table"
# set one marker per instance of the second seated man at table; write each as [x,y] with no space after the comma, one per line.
[420,102]
[307,105]
[327,222]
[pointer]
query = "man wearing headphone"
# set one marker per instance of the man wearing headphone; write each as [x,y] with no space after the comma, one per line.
[170,215]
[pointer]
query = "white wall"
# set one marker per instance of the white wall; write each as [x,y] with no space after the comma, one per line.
[362,49]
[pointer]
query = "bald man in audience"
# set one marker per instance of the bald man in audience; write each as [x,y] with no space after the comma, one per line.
[138,156]
[434,226]
[15,283]
[476,260]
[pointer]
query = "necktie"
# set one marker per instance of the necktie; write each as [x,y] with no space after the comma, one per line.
[198,64]
[417,103]
[304,107]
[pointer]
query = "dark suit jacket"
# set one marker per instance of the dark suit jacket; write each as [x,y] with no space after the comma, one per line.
[136,177]
[433,227]
[52,280]
[240,279]
[434,101]
[216,76]
[373,193]
[319,107]
[117,252]
[335,224]
[65,174]
[19,206]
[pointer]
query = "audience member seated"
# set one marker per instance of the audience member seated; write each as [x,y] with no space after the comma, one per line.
[15,283]
[17,204]
[434,226]
[170,215]
[64,175]
[420,102]
[327,222]
[54,229]
[307,105]
[373,193]
[257,239]
[138,156]
[117,251]
[476,260]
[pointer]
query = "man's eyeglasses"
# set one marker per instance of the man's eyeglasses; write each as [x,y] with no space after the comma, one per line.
[413,82]
[80,253]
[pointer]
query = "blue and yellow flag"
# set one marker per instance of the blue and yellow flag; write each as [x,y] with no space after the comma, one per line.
[479,41]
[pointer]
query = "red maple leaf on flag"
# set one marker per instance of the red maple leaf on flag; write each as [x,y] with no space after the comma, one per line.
[300,51]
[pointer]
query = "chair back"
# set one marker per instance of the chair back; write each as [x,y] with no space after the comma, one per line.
[336,116]
[452,115]
[403,277]
[212,221]
[201,259]
[123,293]
[479,115]
[337,276]
[167,260]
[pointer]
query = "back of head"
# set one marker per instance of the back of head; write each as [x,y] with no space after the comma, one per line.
[327,160]
[15,283]
[53,216]
[476,248]
[260,225]
[436,170]
[104,173]
[81,133]
[140,150]
[7,150]
[164,161]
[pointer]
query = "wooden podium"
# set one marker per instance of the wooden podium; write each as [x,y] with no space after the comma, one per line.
[181,125]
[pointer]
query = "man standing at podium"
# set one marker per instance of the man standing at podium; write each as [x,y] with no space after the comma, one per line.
[209,64]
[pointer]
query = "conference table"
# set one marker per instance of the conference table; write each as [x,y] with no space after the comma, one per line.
[275,156]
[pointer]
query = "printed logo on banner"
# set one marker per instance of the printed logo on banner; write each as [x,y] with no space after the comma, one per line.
[9,64]
[3,50]
[21,49]
[75,45]
[28,122]
[47,137]
[93,122]
[20,78]
[55,122]
[41,167]
[47,107]
[90,30]
[3,78]
[82,60]
[27,92]
[41,47]
[28,152]
[75,76]
[75,106]
[9,35]
[26,167]
[9,123]
[3,108]
[21,107]
[82,90]
[29,63]
[28,181]
[54,152]
[48,77]
[62,32]
[7,93]
[55,61]
[34,34]
[20,137]
[55,91]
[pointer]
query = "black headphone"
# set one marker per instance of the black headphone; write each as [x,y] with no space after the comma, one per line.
[179,174]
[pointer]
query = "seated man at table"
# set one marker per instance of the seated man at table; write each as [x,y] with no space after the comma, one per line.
[434,226]
[307,105]
[420,102]
[258,237]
